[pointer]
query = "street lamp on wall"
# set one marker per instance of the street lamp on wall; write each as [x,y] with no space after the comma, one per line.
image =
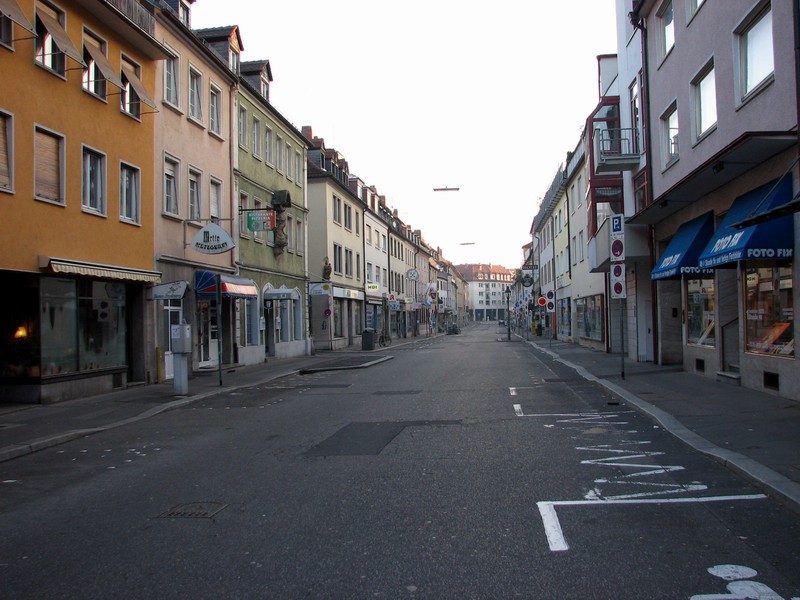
[508,312]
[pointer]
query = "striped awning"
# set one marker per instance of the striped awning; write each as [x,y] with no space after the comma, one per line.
[71,267]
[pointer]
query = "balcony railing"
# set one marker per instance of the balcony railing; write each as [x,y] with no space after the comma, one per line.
[616,149]
[136,13]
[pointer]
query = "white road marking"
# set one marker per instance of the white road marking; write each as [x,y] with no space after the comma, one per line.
[518,410]
[512,391]
[555,535]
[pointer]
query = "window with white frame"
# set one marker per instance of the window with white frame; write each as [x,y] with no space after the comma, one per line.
[337,259]
[215,110]
[348,216]
[298,168]
[268,154]
[130,201]
[172,70]
[215,199]
[288,160]
[369,272]
[244,205]
[669,131]
[666,20]
[93,196]
[171,170]
[243,127]
[358,266]
[48,160]
[279,153]
[581,247]
[756,51]
[6,30]
[368,234]
[264,87]
[337,210]
[233,59]
[195,95]
[290,233]
[194,195]
[49,31]
[348,262]
[95,65]
[256,137]
[694,6]
[129,99]
[635,112]
[299,236]
[705,98]
[6,152]
[184,13]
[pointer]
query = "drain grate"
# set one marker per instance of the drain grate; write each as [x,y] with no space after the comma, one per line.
[194,510]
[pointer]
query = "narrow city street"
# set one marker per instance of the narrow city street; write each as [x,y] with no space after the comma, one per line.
[466,466]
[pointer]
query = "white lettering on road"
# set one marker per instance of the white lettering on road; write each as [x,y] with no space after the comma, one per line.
[739,588]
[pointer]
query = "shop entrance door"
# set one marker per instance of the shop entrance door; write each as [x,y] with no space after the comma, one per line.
[208,334]
[173,314]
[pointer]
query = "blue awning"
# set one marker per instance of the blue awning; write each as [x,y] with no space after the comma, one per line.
[205,284]
[682,253]
[772,240]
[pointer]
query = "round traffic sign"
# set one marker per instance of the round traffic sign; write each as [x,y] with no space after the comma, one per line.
[542,300]
[617,270]
[617,247]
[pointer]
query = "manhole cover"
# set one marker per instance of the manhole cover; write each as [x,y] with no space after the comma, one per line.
[194,510]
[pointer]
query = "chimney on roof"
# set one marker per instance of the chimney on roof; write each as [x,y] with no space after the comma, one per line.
[307,133]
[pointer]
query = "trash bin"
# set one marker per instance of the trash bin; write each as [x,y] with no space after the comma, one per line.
[368,339]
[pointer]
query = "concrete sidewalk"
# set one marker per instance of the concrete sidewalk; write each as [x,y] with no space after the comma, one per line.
[754,433]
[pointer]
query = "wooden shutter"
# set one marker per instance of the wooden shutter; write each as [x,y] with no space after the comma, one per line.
[5,164]
[48,166]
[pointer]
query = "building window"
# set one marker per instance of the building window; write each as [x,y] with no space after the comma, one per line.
[279,152]
[756,52]
[268,146]
[243,127]
[636,113]
[93,197]
[243,212]
[299,237]
[215,111]
[215,200]
[348,216]
[667,28]
[6,152]
[337,259]
[195,95]
[264,88]
[95,66]
[700,311]
[49,166]
[669,128]
[348,262]
[298,168]
[288,150]
[233,60]
[171,70]
[290,233]
[705,97]
[50,35]
[256,137]
[769,306]
[589,317]
[171,169]
[337,210]
[184,13]
[129,99]
[194,195]
[6,29]
[694,6]
[358,266]
[129,193]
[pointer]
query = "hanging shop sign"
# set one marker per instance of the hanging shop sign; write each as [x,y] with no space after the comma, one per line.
[168,291]
[261,220]
[212,239]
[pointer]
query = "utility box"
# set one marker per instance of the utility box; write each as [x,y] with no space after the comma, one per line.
[181,338]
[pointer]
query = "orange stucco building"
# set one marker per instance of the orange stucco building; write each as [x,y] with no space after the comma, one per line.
[76,184]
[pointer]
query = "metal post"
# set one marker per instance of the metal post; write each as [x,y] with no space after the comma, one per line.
[219,327]
[622,336]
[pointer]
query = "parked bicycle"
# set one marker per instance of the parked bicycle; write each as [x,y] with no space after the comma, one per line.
[384,340]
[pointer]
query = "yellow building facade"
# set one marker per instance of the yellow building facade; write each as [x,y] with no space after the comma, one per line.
[76,185]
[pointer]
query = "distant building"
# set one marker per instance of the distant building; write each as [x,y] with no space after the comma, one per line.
[486,286]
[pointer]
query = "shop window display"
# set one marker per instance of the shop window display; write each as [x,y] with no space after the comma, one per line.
[589,317]
[700,312]
[769,310]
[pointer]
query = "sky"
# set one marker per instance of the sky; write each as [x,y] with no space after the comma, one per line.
[486,97]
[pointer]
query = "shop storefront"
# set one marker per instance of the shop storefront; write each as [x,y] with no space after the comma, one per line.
[76,331]
[756,261]
[590,320]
